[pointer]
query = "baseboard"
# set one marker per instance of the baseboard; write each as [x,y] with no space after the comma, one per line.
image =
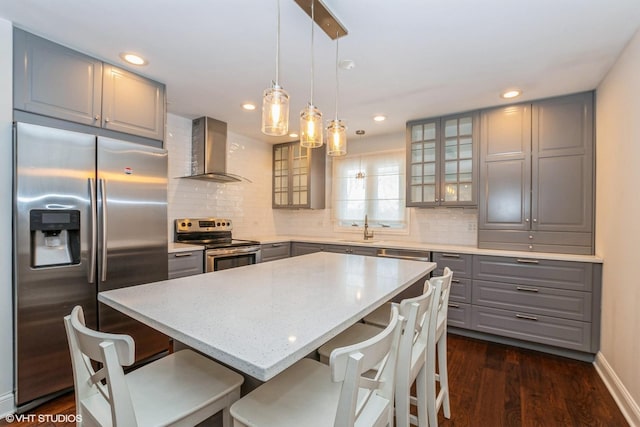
[6,405]
[627,405]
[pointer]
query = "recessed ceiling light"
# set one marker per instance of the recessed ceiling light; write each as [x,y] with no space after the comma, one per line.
[293,135]
[248,106]
[133,58]
[379,118]
[511,93]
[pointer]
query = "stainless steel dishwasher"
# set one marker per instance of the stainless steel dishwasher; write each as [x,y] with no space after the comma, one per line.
[412,255]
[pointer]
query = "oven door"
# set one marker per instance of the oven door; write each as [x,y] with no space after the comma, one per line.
[224,258]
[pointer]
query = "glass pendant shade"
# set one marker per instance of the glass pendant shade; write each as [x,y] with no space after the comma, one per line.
[311,127]
[275,111]
[336,138]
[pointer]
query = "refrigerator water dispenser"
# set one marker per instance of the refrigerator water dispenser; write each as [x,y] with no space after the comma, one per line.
[55,237]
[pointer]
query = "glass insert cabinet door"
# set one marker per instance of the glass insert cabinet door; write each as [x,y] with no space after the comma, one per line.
[298,176]
[442,160]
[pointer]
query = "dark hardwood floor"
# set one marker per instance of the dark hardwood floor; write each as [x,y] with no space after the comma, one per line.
[493,385]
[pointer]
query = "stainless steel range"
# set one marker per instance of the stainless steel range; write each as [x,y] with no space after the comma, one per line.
[222,250]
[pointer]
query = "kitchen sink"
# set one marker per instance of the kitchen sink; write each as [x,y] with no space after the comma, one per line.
[360,240]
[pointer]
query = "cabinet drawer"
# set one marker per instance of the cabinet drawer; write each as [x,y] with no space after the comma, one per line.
[536,241]
[560,303]
[563,333]
[460,290]
[273,251]
[576,276]
[460,264]
[459,315]
[183,264]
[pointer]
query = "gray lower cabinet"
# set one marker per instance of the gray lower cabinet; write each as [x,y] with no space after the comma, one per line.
[55,81]
[183,264]
[549,302]
[459,310]
[536,176]
[303,248]
[274,251]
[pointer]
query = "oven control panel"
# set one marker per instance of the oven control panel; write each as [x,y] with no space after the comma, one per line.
[190,225]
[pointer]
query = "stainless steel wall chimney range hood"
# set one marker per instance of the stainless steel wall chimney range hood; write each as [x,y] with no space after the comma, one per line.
[209,151]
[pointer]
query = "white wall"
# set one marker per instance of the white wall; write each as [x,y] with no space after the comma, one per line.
[618,227]
[249,204]
[6,156]
[455,226]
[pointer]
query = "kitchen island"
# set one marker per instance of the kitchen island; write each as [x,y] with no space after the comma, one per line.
[262,318]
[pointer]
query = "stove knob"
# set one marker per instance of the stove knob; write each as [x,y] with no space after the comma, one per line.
[219,224]
[183,224]
[189,224]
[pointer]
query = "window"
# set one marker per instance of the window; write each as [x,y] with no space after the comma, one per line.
[372,185]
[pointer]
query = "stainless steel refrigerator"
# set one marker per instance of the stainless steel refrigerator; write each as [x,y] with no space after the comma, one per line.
[90,214]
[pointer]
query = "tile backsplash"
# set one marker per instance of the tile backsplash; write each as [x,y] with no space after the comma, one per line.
[248,204]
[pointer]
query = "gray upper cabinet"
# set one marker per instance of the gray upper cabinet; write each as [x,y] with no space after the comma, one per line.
[55,81]
[442,161]
[536,177]
[298,176]
[132,104]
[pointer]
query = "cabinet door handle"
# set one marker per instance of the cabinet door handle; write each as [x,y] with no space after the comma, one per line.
[183,254]
[106,119]
[455,281]
[450,256]
[276,245]
[525,317]
[452,305]
[97,117]
[527,261]
[527,289]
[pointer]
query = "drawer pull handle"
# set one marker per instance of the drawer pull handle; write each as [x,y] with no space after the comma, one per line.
[182,254]
[527,261]
[455,281]
[276,245]
[525,317]
[527,289]
[450,256]
[452,305]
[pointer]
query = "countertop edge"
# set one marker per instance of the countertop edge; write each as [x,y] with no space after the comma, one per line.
[183,247]
[389,243]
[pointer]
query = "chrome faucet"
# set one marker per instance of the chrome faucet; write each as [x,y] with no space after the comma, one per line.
[367,234]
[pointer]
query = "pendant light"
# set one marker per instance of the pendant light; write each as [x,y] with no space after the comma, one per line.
[310,117]
[337,129]
[275,101]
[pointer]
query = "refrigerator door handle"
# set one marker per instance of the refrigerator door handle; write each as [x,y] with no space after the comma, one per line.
[94,230]
[103,194]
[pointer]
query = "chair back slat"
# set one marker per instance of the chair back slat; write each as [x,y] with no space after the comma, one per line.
[113,351]
[348,364]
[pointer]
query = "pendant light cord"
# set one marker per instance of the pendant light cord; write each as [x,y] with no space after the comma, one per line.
[278,45]
[312,24]
[337,82]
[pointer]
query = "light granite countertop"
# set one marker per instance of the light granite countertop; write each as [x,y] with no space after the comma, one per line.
[262,318]
[384,242]
[184,247]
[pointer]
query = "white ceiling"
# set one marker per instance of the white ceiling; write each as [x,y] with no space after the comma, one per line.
[414,58]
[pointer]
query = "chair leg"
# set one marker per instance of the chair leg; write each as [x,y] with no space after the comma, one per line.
[402,398]
[432,407]
[421,396]
[442,372]
[227,420]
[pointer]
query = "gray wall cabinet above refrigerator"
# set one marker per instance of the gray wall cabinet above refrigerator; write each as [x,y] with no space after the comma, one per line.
[55,81]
